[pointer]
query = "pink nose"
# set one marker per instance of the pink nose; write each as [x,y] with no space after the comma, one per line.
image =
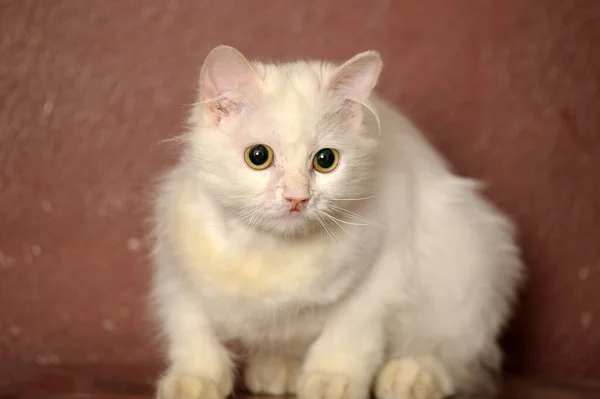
[296,203]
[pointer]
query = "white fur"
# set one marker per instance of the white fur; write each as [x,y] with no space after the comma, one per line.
[409,284]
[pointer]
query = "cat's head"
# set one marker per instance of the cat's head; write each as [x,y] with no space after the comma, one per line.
[280,146]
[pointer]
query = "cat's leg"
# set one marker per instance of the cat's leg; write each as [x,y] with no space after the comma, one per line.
[200,365]
[436,376]
[343,360]
[413,377]
[272,373]
[438,358]
[341,363]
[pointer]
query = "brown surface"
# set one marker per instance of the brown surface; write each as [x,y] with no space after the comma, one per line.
[509,90]
[135,383]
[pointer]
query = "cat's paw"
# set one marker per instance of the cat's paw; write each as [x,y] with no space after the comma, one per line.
[272,375]
[412,378]
[330,386]
[187,387]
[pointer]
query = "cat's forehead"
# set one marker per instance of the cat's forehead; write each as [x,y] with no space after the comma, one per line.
[304,76]
[294,95]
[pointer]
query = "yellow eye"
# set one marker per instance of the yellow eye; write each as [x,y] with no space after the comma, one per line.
[259,156]
[326,160]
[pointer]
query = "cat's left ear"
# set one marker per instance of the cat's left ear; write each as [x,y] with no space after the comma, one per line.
[356,78]
[228,84]
[353,82]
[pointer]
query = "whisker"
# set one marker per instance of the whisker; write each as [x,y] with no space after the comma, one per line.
[251,222]
[346,211]
[344,221]
[245,215]
[355,216]
[352,199]
[254,223]
[238,218]
[331,229]
[175,139]
[242,196]
[323,227]
[339,225]
[326,228]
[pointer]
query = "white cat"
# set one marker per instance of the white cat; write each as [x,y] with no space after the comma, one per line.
[314,225]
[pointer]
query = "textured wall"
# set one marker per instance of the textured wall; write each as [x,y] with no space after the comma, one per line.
[509,90]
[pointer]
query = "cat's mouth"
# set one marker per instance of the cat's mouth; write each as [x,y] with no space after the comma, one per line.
[294,214]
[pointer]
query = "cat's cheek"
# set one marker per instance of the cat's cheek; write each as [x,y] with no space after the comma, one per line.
[326,183]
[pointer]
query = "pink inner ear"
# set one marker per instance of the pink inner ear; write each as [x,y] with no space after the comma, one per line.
[355,114]
[218,110]
[357,77]
[353,82]
[228,84]
[222,108]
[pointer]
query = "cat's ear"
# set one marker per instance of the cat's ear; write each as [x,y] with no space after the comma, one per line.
[228,84]
[356,78]
[353,82]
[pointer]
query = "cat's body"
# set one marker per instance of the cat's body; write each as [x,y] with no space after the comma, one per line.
[409,282]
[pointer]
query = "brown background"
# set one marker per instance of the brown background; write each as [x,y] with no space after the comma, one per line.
[508,90]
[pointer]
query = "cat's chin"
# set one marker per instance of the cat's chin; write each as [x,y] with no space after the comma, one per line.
[291,224]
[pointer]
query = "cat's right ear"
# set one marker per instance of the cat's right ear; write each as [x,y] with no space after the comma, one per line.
[228,84]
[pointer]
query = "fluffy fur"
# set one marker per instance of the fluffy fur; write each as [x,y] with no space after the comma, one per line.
[396,276]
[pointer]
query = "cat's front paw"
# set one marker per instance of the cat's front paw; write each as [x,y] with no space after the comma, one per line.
[330,386]
[412,378]
[186,387]
[272,375]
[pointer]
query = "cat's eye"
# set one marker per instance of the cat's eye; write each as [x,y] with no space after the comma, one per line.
[326,160]
[259,156]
